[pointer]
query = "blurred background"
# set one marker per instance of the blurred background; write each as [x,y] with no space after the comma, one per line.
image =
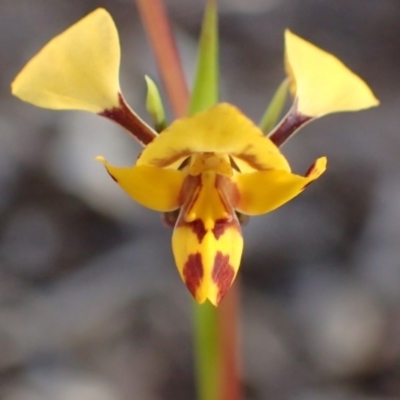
[91,306]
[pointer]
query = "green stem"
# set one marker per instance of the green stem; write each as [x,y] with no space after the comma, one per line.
[215,329]
[207,352]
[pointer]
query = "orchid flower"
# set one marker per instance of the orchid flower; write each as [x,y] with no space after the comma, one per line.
[209,167]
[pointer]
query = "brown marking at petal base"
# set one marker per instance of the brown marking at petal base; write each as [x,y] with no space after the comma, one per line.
[228,191]
[125,117]
[170,159]
[251,160]
[292,122]
[193,272]
[222,274]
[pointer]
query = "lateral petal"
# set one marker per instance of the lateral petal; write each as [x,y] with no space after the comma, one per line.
[320,82]
[263,191]
[222,129]
[158,189]
[77,70]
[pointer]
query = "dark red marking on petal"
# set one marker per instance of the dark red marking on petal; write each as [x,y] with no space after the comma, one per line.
[198,228]
[190,191]
[125,117]
[112,177]
[309,172]
[250,159]
[188,197]
[168,160]
[220,227]
[222,274]
[292,122]
[193,272]
[228,192]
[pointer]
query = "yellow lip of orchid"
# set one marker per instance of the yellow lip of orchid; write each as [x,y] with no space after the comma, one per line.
[320,83]
[195,158]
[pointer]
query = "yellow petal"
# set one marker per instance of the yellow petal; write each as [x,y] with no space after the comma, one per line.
[155,188]
[263,191]
[77,70]
[207,241]
[207,260]
[222,129]
[321,83]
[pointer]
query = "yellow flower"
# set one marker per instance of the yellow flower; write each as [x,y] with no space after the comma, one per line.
[207,167]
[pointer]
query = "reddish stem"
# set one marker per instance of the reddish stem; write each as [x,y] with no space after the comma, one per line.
[229,339]
[159,31]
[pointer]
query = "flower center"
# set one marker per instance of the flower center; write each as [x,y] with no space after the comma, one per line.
[202,162]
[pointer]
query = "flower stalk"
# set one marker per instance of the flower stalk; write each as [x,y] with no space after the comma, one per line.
[158,29]
[215,329]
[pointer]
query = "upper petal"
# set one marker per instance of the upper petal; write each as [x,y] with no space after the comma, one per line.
[155,188]
[78,69]
[263,191]
[320,82]
[221,129]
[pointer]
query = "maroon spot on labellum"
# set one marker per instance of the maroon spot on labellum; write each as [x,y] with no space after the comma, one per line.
[220,227]
[222,274]
[193,272]
[198,228]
